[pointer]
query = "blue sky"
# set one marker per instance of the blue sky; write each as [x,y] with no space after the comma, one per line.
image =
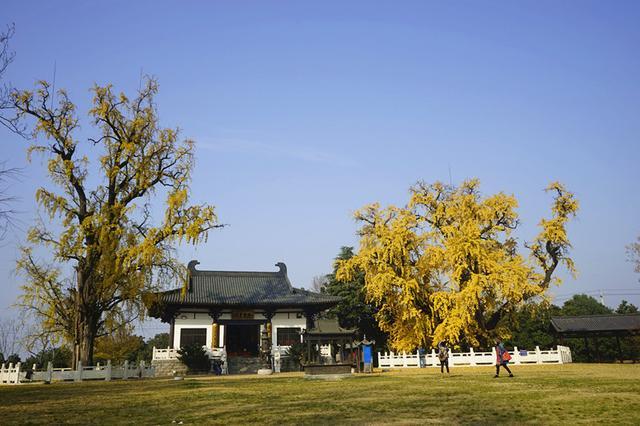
[303,112]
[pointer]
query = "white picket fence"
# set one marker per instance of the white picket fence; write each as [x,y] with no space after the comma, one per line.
[170,353]
[10,375]
[561,355]
[164,354]
[18,374]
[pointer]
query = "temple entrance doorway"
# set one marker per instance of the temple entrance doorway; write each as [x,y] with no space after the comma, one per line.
[243,339]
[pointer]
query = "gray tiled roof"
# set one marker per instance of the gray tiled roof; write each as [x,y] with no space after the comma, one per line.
[241,288]
[329,326]
[596,323]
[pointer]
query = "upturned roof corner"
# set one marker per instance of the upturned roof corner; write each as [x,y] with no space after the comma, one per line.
[244,289]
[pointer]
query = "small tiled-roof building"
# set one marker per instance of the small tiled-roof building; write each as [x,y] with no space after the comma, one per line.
[237,310]
[597,325]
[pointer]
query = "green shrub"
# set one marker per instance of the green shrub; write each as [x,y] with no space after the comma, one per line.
[195,358]
[295,356]
[60,357]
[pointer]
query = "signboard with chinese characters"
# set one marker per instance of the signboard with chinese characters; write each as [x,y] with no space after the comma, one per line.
[241,315]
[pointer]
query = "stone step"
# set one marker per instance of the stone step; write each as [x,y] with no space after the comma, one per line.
[244,365]
[167,367]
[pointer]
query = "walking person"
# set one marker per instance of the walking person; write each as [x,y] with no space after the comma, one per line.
[443,356]
[421,360]
[502,359]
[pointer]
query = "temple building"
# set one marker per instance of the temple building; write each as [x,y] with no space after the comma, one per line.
[239,315]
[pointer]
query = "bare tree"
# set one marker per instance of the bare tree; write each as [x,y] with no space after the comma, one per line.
[10,336]
[318,283]
[7,212]
[633,250]
[7,118]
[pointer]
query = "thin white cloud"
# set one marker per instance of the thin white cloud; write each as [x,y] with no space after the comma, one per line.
[261,149]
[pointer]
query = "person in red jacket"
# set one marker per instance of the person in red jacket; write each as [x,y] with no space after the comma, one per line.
[502,359]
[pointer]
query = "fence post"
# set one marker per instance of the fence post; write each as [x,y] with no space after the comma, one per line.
[516,355]
[538,355]
[49,376]
[277,361]
[125,370]
[404,359]
[107,373]
[142,369]
[472,357]
[78,375]
[18,365]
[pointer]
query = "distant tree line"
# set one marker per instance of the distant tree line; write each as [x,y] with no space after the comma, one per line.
[532,328]
[118,348]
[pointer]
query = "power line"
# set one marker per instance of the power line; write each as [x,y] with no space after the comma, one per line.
[601,294]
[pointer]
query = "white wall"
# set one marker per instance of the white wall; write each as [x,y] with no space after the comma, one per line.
[203,320]
[285,320]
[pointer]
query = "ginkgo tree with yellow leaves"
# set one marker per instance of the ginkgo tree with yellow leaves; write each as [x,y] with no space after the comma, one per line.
[448,267]
[100,223]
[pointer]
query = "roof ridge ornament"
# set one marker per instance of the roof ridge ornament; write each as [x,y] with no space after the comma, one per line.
[282,267]
[191,266]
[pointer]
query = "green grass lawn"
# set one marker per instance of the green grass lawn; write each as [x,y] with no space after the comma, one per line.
[594,393]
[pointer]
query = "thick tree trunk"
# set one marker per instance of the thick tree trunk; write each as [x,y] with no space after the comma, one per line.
[86,331]
[86,322]
[86,344]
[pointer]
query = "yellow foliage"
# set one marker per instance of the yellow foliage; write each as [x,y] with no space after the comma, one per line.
[446,267]
[106,231]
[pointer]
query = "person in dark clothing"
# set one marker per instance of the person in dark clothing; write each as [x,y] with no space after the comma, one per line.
[443,356]
[421,360]
[502,359]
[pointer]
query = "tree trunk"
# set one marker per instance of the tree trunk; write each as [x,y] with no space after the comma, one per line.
[86,331]
[86,344]
[86,321]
